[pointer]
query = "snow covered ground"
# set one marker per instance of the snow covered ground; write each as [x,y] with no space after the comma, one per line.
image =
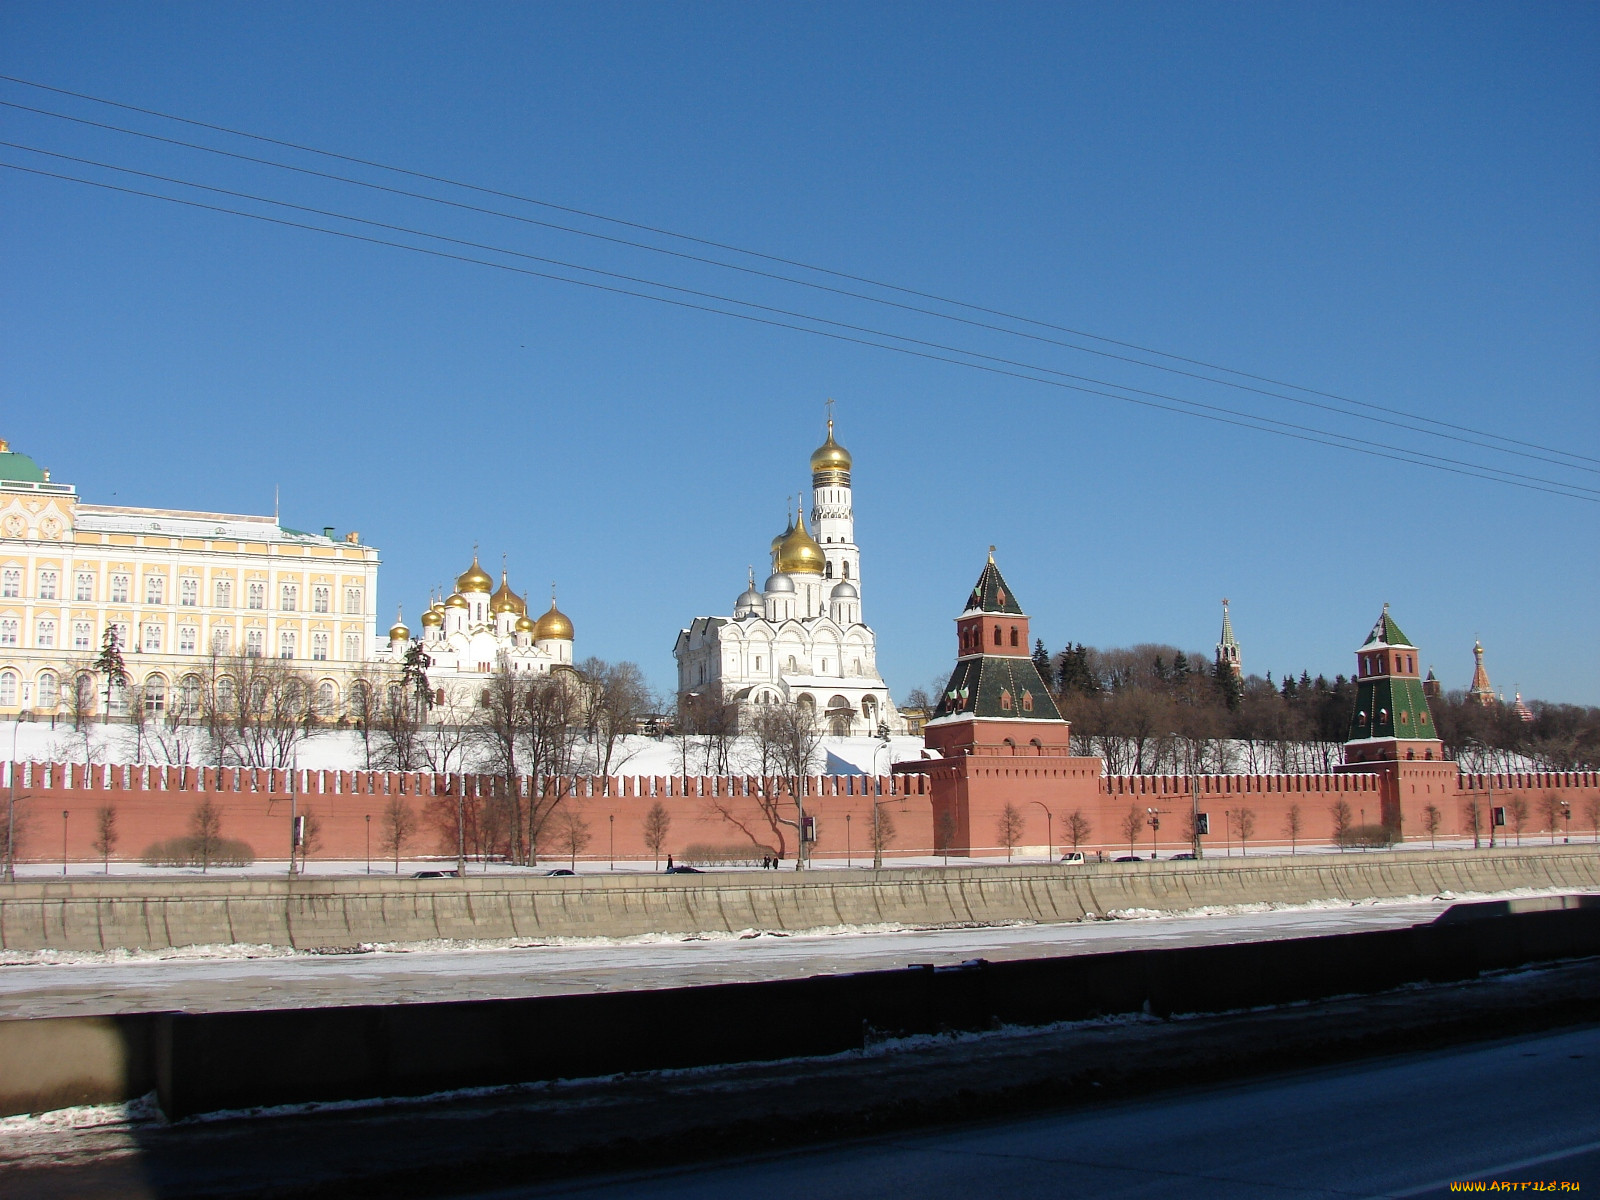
[342,750]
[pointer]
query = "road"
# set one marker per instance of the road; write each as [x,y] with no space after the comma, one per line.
[1520,1110]
[98,987]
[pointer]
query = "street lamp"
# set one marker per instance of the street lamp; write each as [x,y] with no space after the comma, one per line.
[11,810]
[611,821]
[1049,831]
[1155,829]
[369,843]
[63,843]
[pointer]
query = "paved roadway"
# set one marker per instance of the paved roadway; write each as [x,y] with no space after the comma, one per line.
[99,987]
[1526,1110]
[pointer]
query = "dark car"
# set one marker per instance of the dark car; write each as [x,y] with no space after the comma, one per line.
[684,871]
[433,874]
[1128,858]
[560,871]
[1185,857]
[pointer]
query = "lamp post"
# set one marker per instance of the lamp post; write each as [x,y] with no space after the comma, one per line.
[63,843]
[611,821]
[1155,829]
[1049,831]
[369,843]
[1566,815]
[848,861]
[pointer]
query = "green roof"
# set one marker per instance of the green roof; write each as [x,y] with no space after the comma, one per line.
[1391,706]
[1387,632]
[19,468]
[997,685]
[990,593]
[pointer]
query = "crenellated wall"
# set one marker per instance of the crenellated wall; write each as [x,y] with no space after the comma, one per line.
[951,804]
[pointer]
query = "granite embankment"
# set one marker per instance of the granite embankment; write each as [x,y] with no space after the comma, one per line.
[91,915]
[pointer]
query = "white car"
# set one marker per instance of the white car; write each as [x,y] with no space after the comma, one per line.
[1073,859]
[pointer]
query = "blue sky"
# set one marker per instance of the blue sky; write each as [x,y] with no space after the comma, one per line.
[1395,204]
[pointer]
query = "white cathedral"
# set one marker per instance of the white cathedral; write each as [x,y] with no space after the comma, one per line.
[801,637]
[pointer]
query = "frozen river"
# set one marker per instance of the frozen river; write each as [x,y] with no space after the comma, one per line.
[238,978]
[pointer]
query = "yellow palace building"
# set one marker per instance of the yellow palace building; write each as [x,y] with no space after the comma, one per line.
[177,587]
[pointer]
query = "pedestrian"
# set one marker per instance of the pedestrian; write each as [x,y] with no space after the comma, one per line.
[669,863]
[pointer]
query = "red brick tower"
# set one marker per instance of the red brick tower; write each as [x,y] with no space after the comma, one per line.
[997,734]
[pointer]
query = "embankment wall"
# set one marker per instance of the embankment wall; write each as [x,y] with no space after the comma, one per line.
[313,912]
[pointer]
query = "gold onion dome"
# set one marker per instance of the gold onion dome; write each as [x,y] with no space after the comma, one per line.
[830,458]
[553,624]
[476,579]
[799,553]
[434,616]
[398,631]
[526,624]
[505,600]
[457,601]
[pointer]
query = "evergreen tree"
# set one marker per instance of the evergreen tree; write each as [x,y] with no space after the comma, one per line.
[1180,668]
[414,677]
[1041,659]
[1228,684]
[109,664]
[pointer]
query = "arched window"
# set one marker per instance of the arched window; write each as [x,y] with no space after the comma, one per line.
[319,647]
[320,599]
[11,583]
[46,635]
[49,689]
[155,587]
[827,571]
[327,699]
[224,594]
[847,570]
[8,631]
[997,635]
[8,688]
[189,695]
[255,642]
[1013,635]
[155,695]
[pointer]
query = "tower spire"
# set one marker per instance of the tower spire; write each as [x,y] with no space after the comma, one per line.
[1228,647]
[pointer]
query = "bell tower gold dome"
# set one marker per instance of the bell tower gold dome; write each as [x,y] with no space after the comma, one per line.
[474,580]
[830,462]
[554,624]
[799,553]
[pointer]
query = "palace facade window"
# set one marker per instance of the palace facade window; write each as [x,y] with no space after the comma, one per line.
[155,588]
[255,594]
[288,596]
[155,695]
[352,601]
[188,639]
[47,585]
[9,631]
[319,647]
[49,689]
[286,644]
[11,583]
[8,688]
[45,634]
[222,594]
[352,647]
[221,640]
[152,639]
[189,592]
[84,590]
[320,599]
[119,589]
[255,642]
[82,635]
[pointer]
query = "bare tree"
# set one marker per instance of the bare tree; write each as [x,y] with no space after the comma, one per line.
[883,830]
[136,733]
[786,739]
[1078,828]
[944,827]
[310,836]
[105,838]
[1293,826]
[397,824]
[399,729]
[618,699]
[205,832]
[1244,820]
[1432,819]
[553,728]
[710,722]
[273,710]
[1132,825]
[572,835]
[1008,828]
[1343,818]
[656,824]
[498,738]
[1550,809]
[364,706]
[448,735]
[1591,814]
[1517,811]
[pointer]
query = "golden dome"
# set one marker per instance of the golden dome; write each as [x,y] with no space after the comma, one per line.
[553,624]
[457,601]
[434,616]
[832,459]
[476,579]
[505,600]
[398,631]
[526,624]
[799,553]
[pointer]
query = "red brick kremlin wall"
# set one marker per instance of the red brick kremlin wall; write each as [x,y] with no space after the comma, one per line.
[156,803]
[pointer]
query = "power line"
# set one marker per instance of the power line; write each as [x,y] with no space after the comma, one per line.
[1241,420]
[764,308]
[797,264]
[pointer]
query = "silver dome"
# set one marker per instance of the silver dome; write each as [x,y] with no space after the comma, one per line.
[750,600]
[779,583]
[846,591]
